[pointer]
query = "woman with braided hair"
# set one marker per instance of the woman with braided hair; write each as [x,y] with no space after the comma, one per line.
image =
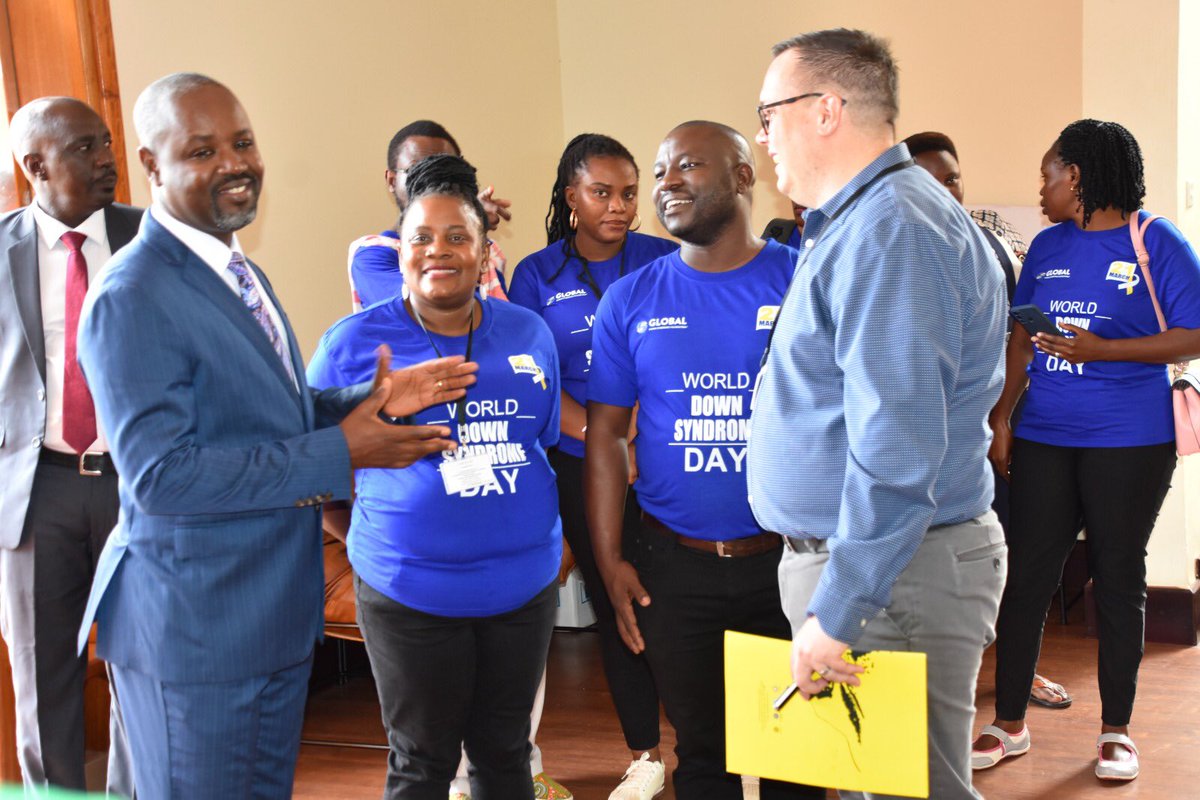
[457,555]
[1096,440]
[591,244]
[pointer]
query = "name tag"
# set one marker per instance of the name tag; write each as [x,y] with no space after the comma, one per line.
[757,383]
[463,474]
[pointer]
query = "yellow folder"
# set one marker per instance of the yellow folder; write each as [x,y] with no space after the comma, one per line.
[868,738]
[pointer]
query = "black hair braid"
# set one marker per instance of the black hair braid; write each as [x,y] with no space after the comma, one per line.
[1109,162]
[574,158]
[445,175]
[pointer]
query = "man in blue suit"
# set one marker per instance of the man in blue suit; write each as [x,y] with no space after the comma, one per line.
[209,594]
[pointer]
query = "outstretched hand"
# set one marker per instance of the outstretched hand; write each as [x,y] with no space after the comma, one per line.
[420,386]
[495,207]
[374,443]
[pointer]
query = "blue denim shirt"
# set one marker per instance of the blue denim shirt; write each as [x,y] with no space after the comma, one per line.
[870,421]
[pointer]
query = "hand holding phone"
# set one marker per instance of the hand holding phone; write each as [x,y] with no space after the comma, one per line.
[1033,320]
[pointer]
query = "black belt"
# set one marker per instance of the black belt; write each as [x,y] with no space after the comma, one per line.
[91,464]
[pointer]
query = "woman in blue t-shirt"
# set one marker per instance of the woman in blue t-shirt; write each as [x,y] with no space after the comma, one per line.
[457,556]
[1095,444]
[593,208]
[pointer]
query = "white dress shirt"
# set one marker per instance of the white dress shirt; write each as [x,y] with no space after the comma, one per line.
[213,251]
[52,275]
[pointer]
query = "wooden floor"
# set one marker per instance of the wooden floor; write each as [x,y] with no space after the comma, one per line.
[583,749]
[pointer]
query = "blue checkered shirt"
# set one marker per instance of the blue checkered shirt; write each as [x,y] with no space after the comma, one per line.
[870,424]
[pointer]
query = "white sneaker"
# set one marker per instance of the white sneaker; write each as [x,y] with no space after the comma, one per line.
[644,779]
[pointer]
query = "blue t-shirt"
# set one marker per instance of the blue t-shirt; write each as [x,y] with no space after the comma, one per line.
[375,270]
[794,239]
[485,551]
[1091,279]
[568,304]
[685,345]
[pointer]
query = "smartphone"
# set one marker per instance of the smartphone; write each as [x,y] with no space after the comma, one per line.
[1033,320]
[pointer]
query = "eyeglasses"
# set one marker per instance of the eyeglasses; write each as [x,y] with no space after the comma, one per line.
[764,118]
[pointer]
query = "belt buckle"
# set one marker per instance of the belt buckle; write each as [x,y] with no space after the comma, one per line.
[721,551]
[83,470]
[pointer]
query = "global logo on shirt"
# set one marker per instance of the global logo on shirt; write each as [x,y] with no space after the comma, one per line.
[1053,273]
[525,365]
[1126,275]
[766,318]
[662,324]
[559,297]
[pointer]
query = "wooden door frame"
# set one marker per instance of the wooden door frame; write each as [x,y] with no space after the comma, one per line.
[94,39]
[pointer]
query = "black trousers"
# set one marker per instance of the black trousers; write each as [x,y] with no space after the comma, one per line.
[694,598]
[448,683]
[629,679]
[1118,492]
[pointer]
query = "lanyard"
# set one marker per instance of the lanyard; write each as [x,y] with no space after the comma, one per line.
[908,162]
[462,406]
[585,274]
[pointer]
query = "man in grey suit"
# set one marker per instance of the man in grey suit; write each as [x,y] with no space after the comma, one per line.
[58,499]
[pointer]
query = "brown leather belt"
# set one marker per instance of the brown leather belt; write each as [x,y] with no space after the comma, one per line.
[733,548]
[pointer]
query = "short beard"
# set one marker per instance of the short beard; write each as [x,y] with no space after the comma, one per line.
[707,228]
[236,220]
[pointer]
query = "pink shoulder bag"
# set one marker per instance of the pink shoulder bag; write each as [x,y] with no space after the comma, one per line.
[1185,394]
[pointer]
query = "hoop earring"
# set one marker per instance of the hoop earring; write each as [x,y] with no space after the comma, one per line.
[637,221]
[573,221]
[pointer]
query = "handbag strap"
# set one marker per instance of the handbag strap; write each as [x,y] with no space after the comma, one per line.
[1137,234]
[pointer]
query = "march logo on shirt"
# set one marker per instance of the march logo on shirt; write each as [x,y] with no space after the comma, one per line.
[1125,273]
[662,324]
[525,365]
[766,318]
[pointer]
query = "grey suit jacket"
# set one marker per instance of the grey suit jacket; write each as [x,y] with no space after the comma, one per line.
[23,357]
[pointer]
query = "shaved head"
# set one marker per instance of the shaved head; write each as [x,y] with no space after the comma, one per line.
[41,121]
[65,150]
[156,108]
[739,143]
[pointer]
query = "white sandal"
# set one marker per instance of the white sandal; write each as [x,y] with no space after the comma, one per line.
[1010,745]
[1123,770]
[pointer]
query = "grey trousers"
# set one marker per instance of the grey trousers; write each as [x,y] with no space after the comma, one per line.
[44,585]
[943,604]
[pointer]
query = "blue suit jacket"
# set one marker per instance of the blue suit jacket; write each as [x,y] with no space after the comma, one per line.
[214,572]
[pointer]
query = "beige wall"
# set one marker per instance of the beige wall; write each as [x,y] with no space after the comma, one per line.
[513,82]
[327,85]
[1001,80]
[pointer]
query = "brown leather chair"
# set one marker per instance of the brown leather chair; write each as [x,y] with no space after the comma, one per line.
[340,622]
[340,606]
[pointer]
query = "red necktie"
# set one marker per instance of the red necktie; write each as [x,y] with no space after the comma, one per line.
[79,414]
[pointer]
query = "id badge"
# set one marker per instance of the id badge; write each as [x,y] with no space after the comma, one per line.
[464,474]
[757,383]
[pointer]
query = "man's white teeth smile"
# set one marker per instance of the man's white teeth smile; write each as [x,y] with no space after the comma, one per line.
[670,204]
[236,189]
